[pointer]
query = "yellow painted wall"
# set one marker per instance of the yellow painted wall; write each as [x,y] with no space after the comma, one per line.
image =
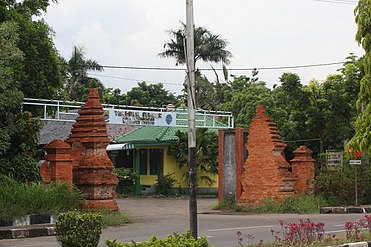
[170,167]
[148,179]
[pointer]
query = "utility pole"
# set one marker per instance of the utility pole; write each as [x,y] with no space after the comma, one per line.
[190,55]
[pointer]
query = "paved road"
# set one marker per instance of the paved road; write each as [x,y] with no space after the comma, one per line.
[164,216]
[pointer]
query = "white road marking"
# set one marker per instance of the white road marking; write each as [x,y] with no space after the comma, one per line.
[239,228]
[335,231]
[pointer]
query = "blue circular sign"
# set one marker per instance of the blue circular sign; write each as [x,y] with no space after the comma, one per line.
[168,119]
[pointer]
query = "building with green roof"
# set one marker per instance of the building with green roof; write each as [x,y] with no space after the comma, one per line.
[145,149]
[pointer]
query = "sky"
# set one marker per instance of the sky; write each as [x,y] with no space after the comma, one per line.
[260,34]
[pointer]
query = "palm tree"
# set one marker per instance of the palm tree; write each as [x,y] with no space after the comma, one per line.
[207,153]
[77,71]
[208,47]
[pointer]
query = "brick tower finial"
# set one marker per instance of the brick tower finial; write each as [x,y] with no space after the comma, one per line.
[260,109]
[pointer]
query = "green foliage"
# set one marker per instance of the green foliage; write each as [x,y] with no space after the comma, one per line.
[361,140]
[207,153]
[78,83]
[19,199]
[150,95]
[114,97]
[126,178]
[165,183]
[19,132]
[22,168]
[74,229]
[243,102]
[208,46]
[113,218]
[229,205]
[299,204]
[337,184]
[175,240]
[39,73]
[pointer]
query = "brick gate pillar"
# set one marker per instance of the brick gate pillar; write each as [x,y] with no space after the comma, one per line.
[58,165]
[303,170]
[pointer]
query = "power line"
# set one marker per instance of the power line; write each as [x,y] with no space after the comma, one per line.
[338,2]
[229,69]
[130,79]
[212,69]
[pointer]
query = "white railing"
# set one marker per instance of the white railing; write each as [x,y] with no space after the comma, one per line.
[58,110]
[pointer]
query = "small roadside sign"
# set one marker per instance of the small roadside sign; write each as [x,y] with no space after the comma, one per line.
[354,162]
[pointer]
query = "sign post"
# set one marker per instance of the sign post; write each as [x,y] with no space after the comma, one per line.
[355,163]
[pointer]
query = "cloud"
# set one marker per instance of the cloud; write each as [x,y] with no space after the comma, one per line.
[261,33]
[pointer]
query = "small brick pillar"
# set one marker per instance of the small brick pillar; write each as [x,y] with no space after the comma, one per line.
[92,172]
[303,170]
[58,163]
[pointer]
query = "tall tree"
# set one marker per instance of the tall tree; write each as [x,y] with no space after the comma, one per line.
[361,140]
[18,131]
[208,46]
[207,153]
[150,95]
[78,82]
[39,73]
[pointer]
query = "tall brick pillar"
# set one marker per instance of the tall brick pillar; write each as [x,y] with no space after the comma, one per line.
[92,172]
[58,163]
[303,170]
[266,172]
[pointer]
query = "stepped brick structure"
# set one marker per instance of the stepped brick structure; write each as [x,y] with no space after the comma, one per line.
[92,168]
[255,169]
[266,172]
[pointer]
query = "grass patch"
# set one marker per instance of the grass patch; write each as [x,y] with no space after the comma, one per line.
[110,218]
[301,204]
[18,199]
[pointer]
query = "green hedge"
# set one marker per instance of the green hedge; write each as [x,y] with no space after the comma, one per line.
[175,240]
[75,229]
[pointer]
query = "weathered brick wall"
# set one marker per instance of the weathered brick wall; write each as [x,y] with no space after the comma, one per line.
[58,164]
[266,173]
[303,170]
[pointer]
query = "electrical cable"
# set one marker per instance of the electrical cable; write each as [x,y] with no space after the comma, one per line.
[337,2]
[229,69]
[130,79]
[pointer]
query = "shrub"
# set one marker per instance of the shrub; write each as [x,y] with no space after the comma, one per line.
[175,240]
[336,184]
[299,204]
[126,178]
[303,204]
[18,199]
[165,184]
[74,229]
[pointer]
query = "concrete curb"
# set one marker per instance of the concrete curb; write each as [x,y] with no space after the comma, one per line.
[346,210]
[358,244]
[27,232]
